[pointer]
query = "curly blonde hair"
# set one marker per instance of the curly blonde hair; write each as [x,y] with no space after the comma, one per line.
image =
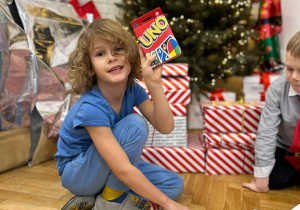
[79,75]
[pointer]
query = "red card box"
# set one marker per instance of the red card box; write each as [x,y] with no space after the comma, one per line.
[156,37]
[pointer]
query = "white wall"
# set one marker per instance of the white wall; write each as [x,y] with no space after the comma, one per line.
[290,10]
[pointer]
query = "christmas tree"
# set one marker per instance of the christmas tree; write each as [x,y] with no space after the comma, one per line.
[216,36]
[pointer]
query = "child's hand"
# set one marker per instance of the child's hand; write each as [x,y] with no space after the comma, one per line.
[258,184]
[150,75]
[173,205]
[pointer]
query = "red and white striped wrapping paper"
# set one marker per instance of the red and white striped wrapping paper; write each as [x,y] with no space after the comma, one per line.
[231,117]
[229,140]
[229,161]
[177,109]
[170,83]
[155,206]
[177,138]
[180,96]
[182,159]
[175,70]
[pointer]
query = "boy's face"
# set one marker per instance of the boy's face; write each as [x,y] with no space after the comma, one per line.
[109,69]
[293,71]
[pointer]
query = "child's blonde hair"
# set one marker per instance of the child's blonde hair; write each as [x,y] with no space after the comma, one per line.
[293,45]
[79,76]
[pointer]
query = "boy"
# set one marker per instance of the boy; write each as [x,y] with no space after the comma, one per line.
[277,128]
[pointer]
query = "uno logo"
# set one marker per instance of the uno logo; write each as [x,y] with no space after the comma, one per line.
[155,30]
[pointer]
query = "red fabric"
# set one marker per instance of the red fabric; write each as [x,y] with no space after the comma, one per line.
[77,7]
[89,7]
[293,154]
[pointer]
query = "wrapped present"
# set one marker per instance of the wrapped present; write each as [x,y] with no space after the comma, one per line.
[174,77]
[229,140]
[180,96]
[254,97]
[218,95]
[177,109]
[258,82]
[177,138]
[231,117]
[182,159]
[170,83]
[175,70]
[229,161]
[195,119]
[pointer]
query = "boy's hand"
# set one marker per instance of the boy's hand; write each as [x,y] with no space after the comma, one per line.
[149,74]
[258,184]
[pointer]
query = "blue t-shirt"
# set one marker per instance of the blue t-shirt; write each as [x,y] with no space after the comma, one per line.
[91,109]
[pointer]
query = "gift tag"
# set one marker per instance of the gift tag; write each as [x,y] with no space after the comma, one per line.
[156,37]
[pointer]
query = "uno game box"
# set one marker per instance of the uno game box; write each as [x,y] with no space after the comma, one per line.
[156,37]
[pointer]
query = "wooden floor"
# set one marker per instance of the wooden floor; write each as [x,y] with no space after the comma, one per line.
[38,188]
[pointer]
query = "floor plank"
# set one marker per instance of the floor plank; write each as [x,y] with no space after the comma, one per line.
[39,188]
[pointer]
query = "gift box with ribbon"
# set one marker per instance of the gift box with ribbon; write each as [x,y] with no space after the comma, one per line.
[231,117]
[177,109]
[171,83]
[180,96]
[175,82]
[177,138]
[229,161]
[178,159]
[174,77]
[229,140]
[218,95]
[254,97]
[258,82]
[195,119]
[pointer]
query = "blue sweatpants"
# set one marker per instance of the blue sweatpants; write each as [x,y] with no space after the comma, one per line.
[88,173]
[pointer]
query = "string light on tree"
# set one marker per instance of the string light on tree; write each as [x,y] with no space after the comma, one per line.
[216,36]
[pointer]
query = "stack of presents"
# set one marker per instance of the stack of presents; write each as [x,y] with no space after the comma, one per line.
[175,151]
[226,145]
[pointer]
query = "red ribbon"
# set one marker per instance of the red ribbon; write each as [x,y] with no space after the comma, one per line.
[217,94]
[265,78]
[262,96]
